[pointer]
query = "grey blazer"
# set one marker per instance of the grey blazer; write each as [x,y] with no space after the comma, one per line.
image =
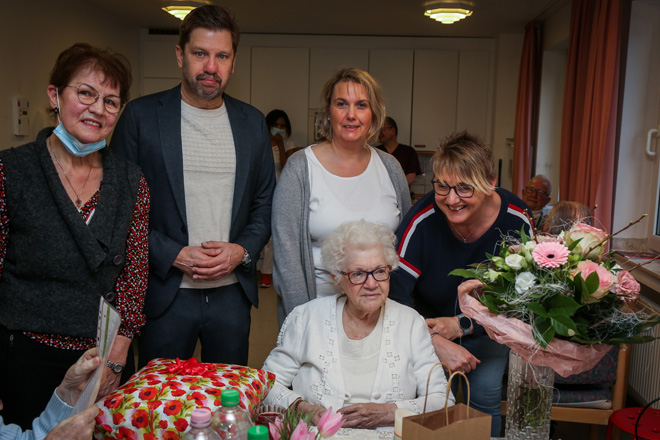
[293,272]
[149,134]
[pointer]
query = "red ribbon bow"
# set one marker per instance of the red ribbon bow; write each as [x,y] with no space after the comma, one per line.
[191,368]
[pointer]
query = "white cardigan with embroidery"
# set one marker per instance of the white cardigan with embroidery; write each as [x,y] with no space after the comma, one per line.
[306,360]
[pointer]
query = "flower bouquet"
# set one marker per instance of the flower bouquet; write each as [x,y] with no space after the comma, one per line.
[296,426]
[556,301]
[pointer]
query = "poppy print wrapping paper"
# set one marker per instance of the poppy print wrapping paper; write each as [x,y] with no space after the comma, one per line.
[158,400]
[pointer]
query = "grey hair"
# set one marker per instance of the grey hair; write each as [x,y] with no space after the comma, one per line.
[357,235]
[543,179]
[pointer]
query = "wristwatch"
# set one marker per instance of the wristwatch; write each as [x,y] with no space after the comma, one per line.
[464,323]
[116,368]
[247,260]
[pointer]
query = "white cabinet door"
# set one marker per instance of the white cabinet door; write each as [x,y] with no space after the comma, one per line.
[435,92]
[280,79]
[393,69]
[475,90]
[326,61]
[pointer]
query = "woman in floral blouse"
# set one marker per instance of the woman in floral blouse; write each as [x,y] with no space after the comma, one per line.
[73,229]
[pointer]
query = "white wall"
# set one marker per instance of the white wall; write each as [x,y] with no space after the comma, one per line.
[548,154]
[641,105]
[32,34]
[507,64]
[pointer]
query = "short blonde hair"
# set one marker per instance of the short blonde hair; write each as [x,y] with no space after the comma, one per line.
[357,235]
[467,158]
[371,86]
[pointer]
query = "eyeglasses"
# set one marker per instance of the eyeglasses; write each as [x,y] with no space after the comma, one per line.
[360,276]
[538,192]
[88,95]
[462,190]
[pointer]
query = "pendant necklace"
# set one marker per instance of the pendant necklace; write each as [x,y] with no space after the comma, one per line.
[465,239]
[78,202]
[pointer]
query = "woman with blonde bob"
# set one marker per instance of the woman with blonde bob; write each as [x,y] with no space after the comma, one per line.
[453,226]
[358,352]
[341,178]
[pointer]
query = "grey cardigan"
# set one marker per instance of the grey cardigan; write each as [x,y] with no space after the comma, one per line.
[293,272]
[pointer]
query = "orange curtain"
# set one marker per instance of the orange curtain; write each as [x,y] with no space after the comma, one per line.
[589,123]
[527,107]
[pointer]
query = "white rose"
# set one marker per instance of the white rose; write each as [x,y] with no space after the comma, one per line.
[530,245]
[514,261]
[524,281]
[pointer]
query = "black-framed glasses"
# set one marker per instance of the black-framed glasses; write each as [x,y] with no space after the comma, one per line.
[462,190]
[538,192]
[360,276]
[88,95]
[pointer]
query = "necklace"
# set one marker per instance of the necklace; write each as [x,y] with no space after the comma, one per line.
[465,239]
[78,202]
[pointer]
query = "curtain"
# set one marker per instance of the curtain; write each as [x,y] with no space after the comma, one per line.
[591,101]
[527,108]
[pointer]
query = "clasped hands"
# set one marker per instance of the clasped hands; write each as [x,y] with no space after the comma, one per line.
[360,415]
[210,261]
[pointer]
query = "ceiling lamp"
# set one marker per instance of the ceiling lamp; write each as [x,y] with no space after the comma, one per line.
[447,12]
[181,8]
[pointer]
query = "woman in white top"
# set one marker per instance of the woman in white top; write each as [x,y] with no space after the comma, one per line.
[340,179]
[360,353]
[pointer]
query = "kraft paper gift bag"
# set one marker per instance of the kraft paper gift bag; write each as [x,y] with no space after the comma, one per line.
[458,421]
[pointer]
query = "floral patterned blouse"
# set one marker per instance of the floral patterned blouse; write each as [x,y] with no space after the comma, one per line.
[131,285]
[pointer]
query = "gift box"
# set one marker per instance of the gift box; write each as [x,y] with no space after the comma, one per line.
[156,403]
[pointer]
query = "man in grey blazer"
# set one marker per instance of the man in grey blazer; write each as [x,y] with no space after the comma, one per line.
[209,164]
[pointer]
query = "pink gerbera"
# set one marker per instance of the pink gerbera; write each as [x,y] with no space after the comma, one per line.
[550,254]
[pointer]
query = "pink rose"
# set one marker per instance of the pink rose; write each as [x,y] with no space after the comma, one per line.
[627,286]
[606,279]
[591,237]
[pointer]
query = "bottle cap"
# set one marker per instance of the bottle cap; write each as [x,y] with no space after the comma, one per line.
[258,432]
[200,418]
[229,397]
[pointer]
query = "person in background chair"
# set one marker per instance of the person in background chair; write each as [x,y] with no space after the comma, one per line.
[564,215]
[537,195]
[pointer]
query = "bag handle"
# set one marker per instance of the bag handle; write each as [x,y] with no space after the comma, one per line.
[451,377]
[428,381]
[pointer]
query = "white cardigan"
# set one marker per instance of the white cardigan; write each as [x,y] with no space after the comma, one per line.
[306,360]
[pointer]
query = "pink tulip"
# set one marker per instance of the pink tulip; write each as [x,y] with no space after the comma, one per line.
[302,432]
[274,429]
[329,423]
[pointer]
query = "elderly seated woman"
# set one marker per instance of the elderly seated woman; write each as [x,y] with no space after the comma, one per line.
[358,352]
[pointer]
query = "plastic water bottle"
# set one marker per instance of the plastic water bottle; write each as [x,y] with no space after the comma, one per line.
[257,432]
[231,421]
[200,426]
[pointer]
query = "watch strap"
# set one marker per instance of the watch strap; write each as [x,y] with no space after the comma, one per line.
[115,367]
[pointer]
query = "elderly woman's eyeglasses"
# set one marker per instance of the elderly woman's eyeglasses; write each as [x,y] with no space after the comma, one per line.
[538,192]
[88,95]
[360,276]
[462,190]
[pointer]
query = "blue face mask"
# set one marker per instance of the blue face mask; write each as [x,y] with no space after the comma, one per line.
[73,145]
[275,131]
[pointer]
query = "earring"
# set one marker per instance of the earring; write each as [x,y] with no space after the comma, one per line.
[56,110]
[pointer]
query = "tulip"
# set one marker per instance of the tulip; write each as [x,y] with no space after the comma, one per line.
[329,423]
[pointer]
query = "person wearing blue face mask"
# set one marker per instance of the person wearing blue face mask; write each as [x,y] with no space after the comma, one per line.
[73,228]
[279,127]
